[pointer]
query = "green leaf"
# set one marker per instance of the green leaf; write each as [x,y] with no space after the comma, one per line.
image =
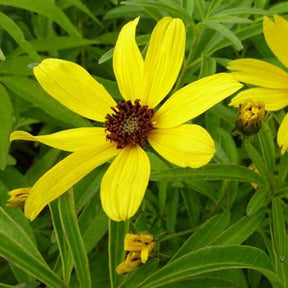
[140,274]
[243,10]
[6,120]
[208,66]
[204,235]
[241,230]
[93,224]
[230,19]
[74,239]
[16,66]
[279,229]
[32,92]
[215,258]
[256,201]
[18,248]
[171,7]
[209,172]
[266,142]
[45,8]
[222,29]
[117,232]
[12,28]
[83,8]
[64,252]
[2,56]
[241,34]
[257,159]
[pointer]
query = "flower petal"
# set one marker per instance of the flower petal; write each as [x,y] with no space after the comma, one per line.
[187,145]
[194,99]
[274,99]
[128,63]
[275,36]
[64,175]
[163,60]
[282,136]
[259,73]
[68,140]
[124,183]
[75,88]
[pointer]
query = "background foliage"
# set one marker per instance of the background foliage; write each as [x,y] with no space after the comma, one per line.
[206,221]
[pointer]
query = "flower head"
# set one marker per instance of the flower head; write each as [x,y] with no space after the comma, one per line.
[140,248]
[129,125]
[250,117]
[272,80]
[18,197]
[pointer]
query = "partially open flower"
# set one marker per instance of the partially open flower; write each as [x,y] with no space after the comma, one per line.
[18,197]
[140,248]
[250,117]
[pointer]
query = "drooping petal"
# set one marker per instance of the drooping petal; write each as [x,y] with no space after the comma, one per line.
[124,183]
[275,36]
[163,60]
[69,140]
[187,145]
[282,136]
[259,73]
[75,88]
[128,63]
[194,99]
[64,175]
[274,99]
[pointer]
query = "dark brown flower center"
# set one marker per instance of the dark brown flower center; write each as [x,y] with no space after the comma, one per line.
[130,124]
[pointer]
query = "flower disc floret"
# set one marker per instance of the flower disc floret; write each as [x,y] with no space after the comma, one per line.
[130,124]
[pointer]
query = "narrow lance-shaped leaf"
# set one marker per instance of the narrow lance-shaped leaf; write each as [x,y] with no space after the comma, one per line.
[209,172]
[74,239]
[117,232]
[241,230]
[204,235]
[24,253]
[215,258]
[32,92]
[46,8]
[222,29]
[279,229]
[12,28]
[6,114]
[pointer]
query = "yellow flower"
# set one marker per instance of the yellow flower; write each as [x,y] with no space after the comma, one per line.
[18,197]
[140,248]
[129,125]
[250,116]
[272,80]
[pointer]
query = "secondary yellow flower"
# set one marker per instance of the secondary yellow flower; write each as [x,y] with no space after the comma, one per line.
[272,80]
[129,125]
[18,197]
[140,247]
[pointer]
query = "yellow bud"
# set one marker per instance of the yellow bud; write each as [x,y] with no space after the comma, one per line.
[250,117]
[140,248]
[18,197]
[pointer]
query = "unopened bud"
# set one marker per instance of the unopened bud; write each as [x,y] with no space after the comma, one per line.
[250,117]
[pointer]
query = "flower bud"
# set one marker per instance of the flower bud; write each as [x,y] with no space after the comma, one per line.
[250,117]
[140,248]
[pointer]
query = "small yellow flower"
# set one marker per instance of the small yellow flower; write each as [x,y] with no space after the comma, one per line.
[130,125]
[140,248]
[142,242]
[272,80]
[18,197]
[250,116]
